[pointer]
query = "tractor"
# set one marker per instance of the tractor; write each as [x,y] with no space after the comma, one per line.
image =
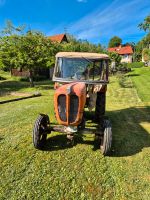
[80,86]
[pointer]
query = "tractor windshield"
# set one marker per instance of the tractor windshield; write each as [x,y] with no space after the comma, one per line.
[81,69]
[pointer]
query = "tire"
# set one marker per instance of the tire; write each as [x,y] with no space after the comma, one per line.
[39,131]
[106,140]
[100,106]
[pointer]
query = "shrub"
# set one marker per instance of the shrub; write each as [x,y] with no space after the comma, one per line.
[135,64]
[123,67]
[39,78]
[35,78]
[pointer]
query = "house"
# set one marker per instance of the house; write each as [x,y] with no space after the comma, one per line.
[125,52]
[59,38]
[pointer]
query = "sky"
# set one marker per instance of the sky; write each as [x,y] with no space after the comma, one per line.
[93,20]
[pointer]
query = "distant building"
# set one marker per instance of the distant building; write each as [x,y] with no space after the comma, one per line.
[125,52]
[59,38]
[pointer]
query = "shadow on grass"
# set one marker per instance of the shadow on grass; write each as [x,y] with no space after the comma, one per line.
[133,75]
[2,78]
[129,134]
[60,142]
[10,86]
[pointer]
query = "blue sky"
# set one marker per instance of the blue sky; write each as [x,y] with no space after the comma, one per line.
[94,20]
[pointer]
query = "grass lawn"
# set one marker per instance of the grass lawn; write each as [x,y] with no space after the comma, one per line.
[141,80]
[80,172]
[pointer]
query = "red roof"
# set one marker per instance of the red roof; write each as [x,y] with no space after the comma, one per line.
[121,50]
[58,38]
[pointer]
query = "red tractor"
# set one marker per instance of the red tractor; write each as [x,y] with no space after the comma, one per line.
[80,84]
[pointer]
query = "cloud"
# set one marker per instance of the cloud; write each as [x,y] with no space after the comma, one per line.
[82,1]
[119,18]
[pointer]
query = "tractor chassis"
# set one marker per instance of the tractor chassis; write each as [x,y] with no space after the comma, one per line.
[43,127]
[70,136]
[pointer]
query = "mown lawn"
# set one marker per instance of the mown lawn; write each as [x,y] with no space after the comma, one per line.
[80,172]
[141,80]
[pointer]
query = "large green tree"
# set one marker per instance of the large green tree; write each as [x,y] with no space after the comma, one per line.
[145,41]
[115,41]
[146,54]
[28,51]
[115,57]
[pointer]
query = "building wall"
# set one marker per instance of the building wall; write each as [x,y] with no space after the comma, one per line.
[22,73]
[127,58]
[25,73]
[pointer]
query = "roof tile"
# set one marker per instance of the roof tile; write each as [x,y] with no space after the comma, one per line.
[57,38]
[121,50]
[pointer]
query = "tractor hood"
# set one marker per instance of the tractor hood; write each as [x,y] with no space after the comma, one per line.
[69,102]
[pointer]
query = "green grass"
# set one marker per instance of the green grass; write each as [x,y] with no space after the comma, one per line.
[141,80]
[80,172]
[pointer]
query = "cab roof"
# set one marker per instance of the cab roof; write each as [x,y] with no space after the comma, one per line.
[82,55]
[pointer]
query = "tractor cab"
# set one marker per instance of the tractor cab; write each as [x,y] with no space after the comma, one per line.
[90,68]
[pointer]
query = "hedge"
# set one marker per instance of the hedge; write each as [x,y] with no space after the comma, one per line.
[135,65]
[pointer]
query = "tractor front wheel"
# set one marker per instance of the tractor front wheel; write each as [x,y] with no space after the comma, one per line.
[106,139]
[100,107]
[40,131]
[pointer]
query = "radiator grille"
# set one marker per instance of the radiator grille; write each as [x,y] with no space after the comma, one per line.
[62,107]
[74,105]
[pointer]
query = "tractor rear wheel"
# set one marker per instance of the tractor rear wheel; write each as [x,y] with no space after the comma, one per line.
[100,106]
[106,139]
[40,131]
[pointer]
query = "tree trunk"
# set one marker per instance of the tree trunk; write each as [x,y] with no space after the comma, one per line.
[31,78]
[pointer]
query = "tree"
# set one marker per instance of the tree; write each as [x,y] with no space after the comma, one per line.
[115,41]
[29,51]
[115,57]
[146,24]
[10,29]
[143,43]
[146,54]
[81,45]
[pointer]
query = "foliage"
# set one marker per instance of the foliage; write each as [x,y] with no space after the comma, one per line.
[116,59]
[146,24]
[146,54]
[28,51]
[115,41]
[135,64]
[81,45]
[10,29]
[115,56]
[144,43]
[124,68]
[31,50]
[36,78]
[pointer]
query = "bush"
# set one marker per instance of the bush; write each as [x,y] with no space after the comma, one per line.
[123,67]
[2,78]
[39,78]
[35,78]
[135,65]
